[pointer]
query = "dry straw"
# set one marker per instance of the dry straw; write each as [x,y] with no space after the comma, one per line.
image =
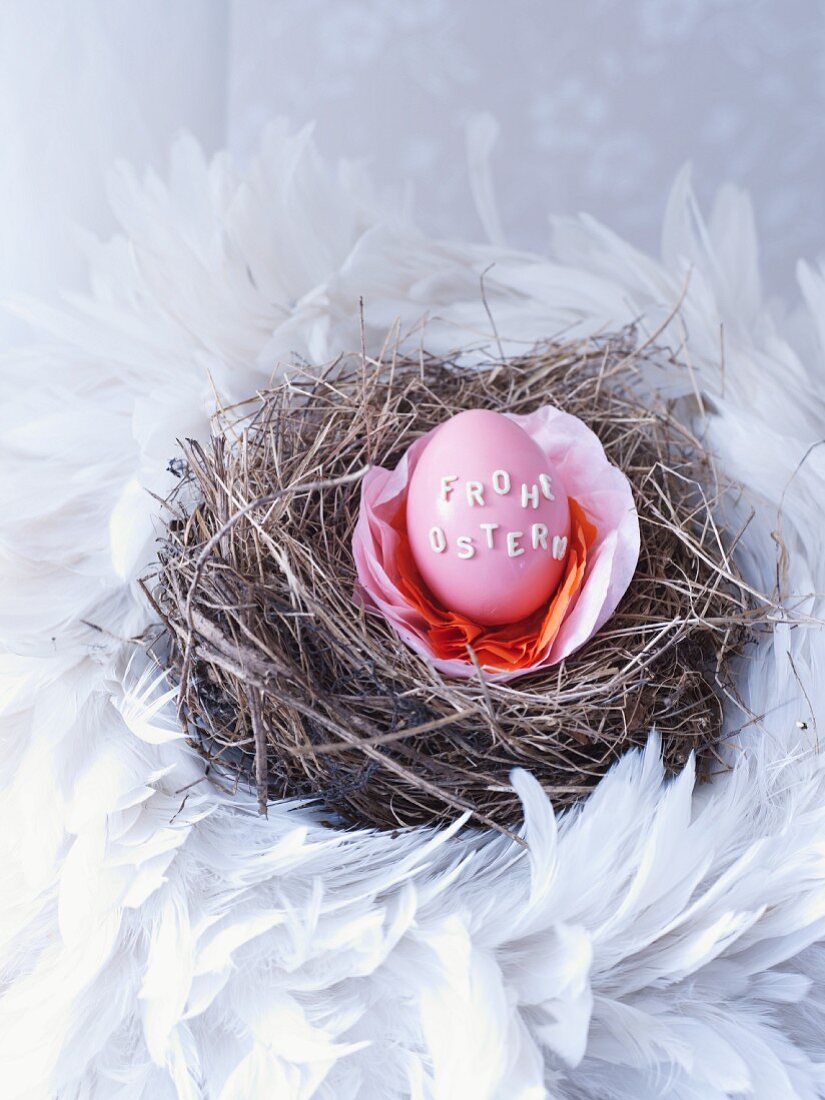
[285,681]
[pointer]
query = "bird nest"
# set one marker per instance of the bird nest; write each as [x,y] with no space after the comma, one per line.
[288,683]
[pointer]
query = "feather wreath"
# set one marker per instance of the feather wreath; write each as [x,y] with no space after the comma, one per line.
[290,683]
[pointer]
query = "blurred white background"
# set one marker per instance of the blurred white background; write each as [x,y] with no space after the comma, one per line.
[599,104]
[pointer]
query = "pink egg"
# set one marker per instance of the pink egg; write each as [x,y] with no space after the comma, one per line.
[487,519]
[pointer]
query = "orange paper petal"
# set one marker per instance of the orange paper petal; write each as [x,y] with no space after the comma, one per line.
[510,647]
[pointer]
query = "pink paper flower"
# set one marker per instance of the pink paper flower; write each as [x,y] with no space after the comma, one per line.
[607,556]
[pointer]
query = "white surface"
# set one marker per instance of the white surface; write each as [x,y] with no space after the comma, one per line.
[599,105]
[83,83]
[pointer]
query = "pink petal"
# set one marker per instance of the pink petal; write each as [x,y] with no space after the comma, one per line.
[600,488]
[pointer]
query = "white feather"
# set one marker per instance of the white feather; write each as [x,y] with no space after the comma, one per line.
[157,938]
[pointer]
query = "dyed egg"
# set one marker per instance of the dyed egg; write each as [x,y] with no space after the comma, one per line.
[487,519]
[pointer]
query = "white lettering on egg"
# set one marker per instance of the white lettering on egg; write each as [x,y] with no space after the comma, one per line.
[559,547]
[546,483]
[488,529]
[501,482]
[447,486]
[466,546]
[475,493]
[438,540]
[513,548]
[530,495]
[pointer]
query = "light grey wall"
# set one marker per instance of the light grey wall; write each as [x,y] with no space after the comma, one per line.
[599,103]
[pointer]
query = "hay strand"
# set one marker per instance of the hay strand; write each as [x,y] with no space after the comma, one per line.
[286,681]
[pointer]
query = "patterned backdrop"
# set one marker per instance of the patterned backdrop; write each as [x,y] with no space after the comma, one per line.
[598,103]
